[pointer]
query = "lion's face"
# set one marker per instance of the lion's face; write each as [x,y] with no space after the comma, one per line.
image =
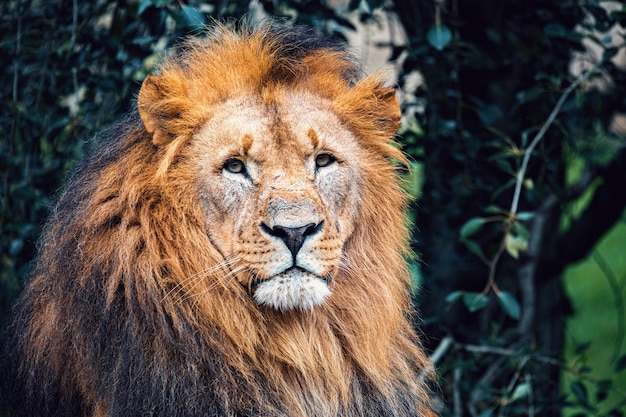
[281,190]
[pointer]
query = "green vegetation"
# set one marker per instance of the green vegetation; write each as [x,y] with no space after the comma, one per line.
[595,336]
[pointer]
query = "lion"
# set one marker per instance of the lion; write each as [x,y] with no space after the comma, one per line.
[236,246]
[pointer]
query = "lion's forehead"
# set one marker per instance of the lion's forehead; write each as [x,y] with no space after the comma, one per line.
[284,128]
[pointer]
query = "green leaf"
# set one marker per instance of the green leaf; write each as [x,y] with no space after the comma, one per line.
[582,347]
[453,296]
[475,301]
[525,215]
[621,364]
[529,183]
[521,231]
[192,17]
[496,210]
[16,246]
[515,244]
[487,413]
[505,165]
[530,95]
[474,248]
[489,114]
[471,227]
[143,5]
[580,392]
[439,36]
[504,187]
[555,29]
[609,53]
[602,389]
[521,391]
[509,304]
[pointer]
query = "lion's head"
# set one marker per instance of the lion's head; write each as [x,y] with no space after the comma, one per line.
[287,193]
[237,249]
[279,156]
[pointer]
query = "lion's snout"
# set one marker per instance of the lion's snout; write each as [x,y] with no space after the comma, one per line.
[293,237]
[296,253]
[292,217]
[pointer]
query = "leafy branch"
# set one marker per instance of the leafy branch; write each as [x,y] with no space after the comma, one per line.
[515,236]
[520,388]
[521,175]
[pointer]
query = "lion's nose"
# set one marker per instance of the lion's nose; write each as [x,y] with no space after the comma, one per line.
[293,237]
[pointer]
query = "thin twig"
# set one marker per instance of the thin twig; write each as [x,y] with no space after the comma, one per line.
[509,352]
[539,136]
[513,383]
[478,393]
[518,372]
[531,396]
[457,375]
[74,22]
[441,350]
[484,349]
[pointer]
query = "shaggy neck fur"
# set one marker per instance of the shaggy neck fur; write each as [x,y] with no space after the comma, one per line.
[322,362]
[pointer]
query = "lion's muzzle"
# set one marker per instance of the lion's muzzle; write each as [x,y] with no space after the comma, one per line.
[296,272]
[293,237]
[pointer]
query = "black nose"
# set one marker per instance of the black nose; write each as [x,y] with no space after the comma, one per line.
[293,237]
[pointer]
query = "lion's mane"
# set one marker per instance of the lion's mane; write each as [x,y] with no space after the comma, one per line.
[127,311]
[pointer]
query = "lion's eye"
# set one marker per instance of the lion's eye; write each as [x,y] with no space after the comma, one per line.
[235,166]
[323,160]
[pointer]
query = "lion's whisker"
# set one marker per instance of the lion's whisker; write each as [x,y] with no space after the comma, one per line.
[183,286]
[222,279]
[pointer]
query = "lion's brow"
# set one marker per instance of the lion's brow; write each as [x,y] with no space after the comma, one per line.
[313,137]
[246,143]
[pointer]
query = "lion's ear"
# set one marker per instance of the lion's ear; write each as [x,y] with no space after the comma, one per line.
[151,110]
[389,110]
[371,109]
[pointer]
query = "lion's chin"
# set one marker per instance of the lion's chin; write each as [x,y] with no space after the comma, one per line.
[294,289]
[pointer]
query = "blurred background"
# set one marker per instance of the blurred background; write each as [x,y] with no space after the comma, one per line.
[514,117]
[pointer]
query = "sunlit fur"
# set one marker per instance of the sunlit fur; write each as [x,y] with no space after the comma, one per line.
[131,310]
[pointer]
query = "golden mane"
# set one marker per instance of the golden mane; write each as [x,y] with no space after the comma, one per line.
[130,309]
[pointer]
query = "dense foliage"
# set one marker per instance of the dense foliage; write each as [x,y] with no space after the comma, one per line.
[506,134]
[504,122]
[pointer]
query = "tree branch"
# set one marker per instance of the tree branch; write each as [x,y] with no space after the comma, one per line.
[539,136]
[543,218]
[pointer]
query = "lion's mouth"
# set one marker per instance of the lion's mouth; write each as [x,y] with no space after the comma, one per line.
[293,289]
[254,281]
